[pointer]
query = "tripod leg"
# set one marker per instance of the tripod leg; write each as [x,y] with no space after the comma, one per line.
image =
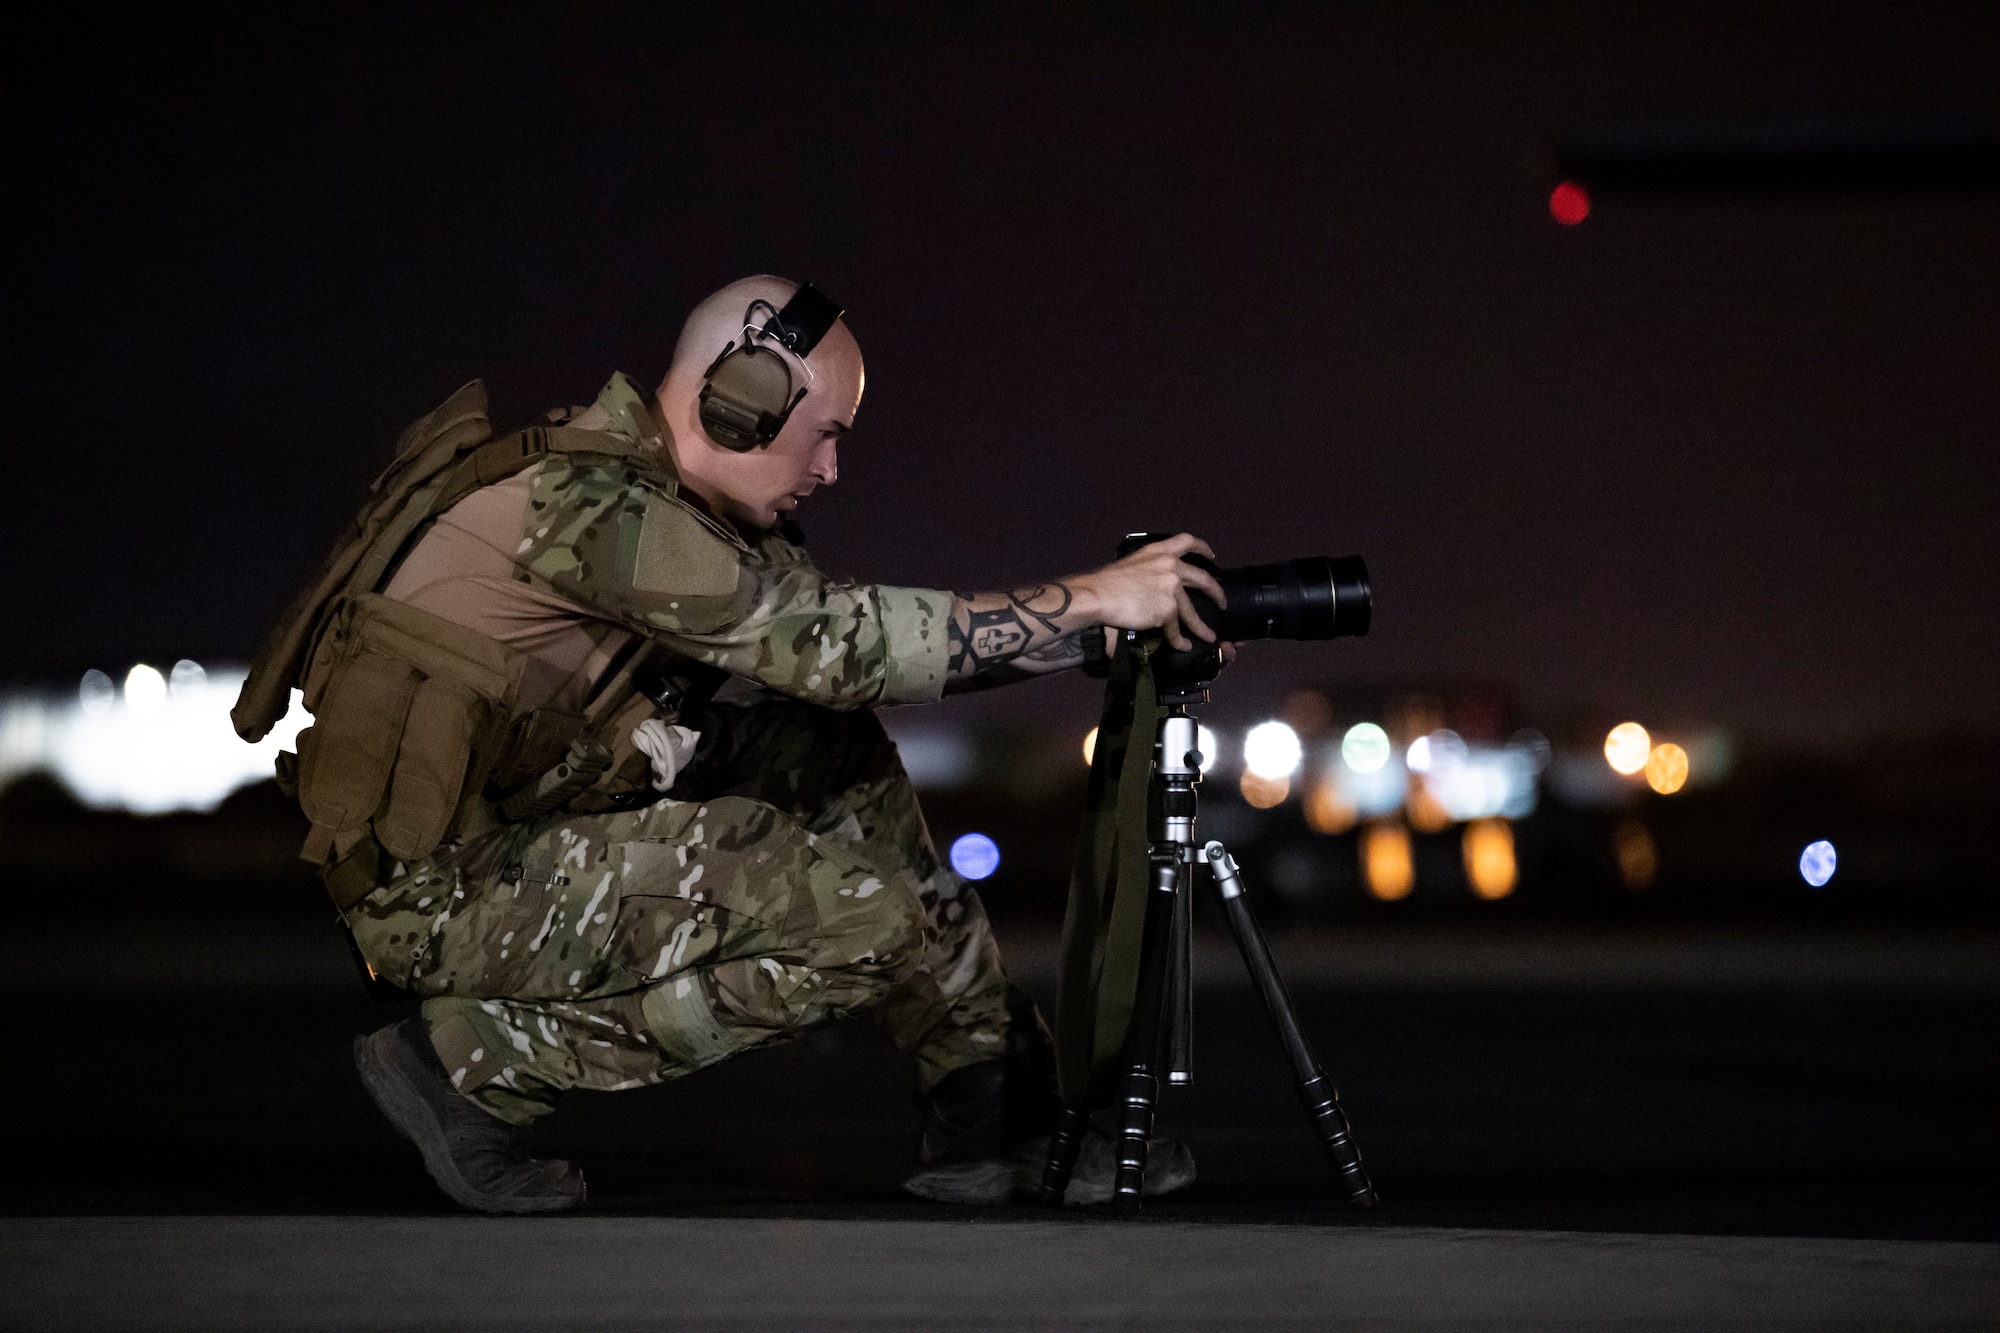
[1064,1144]
[1316,1090]
[1180,990]
[1141,1087]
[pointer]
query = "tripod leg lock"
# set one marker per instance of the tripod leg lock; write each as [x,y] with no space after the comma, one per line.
[1064,1143]
[1135,1127]
[1322,1105]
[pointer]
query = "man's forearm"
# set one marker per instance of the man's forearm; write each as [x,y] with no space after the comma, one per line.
[998,637]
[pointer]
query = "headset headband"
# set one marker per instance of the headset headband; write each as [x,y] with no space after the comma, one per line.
[804,320]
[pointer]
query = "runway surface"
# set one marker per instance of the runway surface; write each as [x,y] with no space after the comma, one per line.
[712,1273]
[1568,1130]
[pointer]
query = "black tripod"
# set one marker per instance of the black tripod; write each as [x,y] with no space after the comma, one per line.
[1162,1016]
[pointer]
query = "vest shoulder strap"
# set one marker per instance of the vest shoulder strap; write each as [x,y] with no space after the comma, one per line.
[441,458]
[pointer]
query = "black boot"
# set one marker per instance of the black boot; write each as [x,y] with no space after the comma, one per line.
[480,1161]
[985,1130]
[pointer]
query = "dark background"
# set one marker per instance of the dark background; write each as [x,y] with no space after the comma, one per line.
[1284,277]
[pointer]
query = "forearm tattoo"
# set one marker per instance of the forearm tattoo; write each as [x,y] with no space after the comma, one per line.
[989,630]
[1069,648]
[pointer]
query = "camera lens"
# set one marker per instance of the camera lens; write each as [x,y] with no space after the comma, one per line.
[1317,597]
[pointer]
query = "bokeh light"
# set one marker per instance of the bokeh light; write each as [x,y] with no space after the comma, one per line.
[1365,747]
[1262,792]
[1385,861]
[1667,768]
[1817,863]
[1439,752]
[1309,712]
[1627,748]
[1637,854]
[1209,743]
[1328,809]
[147,748]
[1426,812]
[1272,750]
[96,694]
[187,678]
[975,856]
[1569,203]
[1489,858]
[145,689]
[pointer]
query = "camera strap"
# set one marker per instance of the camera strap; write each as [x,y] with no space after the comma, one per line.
[1104,925]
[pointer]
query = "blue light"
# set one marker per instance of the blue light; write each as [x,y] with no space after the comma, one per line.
[1815,863]
[975,856]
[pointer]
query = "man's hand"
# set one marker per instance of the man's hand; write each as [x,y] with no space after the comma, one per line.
[1148,590]
[998,637]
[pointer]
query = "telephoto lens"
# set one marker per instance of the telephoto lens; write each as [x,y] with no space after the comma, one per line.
[1316,597]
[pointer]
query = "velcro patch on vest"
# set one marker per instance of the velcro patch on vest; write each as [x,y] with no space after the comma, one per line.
[678,554]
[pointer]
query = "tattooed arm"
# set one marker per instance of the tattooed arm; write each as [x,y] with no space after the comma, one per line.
[1000,637]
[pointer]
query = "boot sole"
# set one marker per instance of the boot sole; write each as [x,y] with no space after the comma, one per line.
[405,1108]
[987,1182]
[1169,1167]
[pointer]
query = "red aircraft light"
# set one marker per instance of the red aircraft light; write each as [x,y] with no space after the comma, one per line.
[1568,204]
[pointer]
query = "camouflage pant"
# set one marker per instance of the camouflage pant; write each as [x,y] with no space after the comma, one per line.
[794,884]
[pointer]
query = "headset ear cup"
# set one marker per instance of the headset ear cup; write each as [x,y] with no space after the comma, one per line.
[746,398]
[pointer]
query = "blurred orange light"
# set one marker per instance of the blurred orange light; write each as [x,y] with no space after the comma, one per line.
[1385,858]
[1489,858]
[1308,712]
[1263,793]
[1090,746]
[1427,814]
[1638,855]
[1627,748]
[1667,769]
[1328,811]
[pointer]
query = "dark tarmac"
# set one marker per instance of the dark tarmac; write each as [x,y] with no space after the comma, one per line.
[1568,1129]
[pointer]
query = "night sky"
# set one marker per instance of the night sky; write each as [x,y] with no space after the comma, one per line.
[1285,280]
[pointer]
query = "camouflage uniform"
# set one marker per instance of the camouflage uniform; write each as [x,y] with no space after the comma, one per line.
[785,880]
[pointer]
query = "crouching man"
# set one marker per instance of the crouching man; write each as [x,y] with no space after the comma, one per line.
[594,770]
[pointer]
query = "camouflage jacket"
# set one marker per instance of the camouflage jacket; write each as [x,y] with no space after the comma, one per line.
[616,536]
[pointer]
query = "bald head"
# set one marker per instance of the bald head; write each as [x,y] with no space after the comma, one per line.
[755,488]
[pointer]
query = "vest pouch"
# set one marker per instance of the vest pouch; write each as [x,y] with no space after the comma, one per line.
[407,710]
[536,743]
[431,760]
[347,756]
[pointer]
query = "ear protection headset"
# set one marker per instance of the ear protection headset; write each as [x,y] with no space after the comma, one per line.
[748,393]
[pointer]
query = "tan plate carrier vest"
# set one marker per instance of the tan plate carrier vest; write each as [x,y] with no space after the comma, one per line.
[418,735]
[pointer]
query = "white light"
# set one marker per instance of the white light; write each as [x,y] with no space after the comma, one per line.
[186,676]
[1211,749]
[96,694]
[1816,863]
[1484,783]
[1533,744]
[1627,748]
[1272,750]
[1440,752]
[145,689]
[1365,747]
[154,751]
